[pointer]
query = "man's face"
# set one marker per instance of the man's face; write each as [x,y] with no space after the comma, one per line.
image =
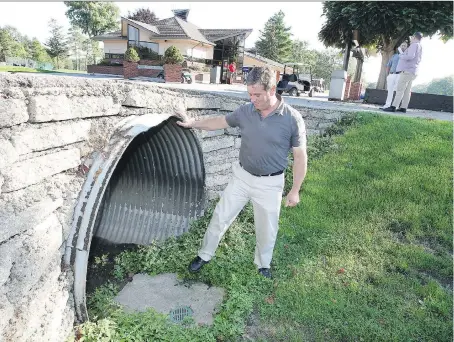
[260,98]
[403,46]
[413,39]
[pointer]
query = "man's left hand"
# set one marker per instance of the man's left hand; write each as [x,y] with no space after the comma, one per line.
[293,198]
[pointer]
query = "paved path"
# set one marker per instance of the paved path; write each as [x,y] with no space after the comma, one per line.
[318,101]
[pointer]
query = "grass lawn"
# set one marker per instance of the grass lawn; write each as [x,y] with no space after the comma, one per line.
[366,256]
[25,69]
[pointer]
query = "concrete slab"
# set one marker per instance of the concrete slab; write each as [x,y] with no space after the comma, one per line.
[165,292]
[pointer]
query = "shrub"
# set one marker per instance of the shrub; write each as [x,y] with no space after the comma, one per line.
[131,55]
[173,56]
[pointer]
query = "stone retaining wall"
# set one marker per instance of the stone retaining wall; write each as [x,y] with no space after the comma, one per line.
[51,129]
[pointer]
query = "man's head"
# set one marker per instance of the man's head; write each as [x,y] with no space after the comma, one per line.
[261,86]
[404,46]
[416,37]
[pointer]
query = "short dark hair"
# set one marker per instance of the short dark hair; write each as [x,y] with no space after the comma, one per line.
[418,35]
[262,75]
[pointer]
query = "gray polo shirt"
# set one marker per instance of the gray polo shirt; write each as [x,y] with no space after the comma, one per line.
[266,142]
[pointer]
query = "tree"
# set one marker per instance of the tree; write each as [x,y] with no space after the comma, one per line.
[131,55]
[326,61]
[10,45]
[57,45]
[92,51]
[173,56]
[144,15]
[92,17]
[275,42]
[38,52]
[76,40]
[440,86]
[384,25]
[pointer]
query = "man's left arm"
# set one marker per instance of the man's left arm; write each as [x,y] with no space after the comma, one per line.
[299,161]
[299,173]
[410,53]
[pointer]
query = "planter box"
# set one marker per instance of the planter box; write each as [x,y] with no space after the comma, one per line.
[441,103]
[172,72]
[105,69]
[130,69]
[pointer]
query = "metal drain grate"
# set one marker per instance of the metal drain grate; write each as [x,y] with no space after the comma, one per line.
[177,315]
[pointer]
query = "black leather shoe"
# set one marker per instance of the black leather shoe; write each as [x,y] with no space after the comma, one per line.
[265,272]
[390,109]
[197,264]
[403,110]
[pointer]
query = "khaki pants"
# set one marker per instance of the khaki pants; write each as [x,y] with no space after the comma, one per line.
[266,196]
[403,89]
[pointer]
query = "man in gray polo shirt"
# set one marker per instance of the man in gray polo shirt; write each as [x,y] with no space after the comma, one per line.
[269,130]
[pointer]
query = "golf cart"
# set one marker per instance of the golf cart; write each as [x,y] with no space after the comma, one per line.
[296,83]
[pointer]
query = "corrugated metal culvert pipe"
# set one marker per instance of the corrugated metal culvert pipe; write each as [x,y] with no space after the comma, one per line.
[147,184]
[156,188]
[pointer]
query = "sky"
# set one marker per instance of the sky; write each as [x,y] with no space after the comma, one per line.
[304,18]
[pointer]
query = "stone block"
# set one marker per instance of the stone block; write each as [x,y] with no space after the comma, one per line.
[312,132]
[213,180]
[44,108]
[215,168]
[231,105]
[217,143]
[207,102]
[42,314]
[27,219]
[237,142]
[233,131]
[157,102]
[209,134]
[50,136]
[8,154]
[33,258]
[32,171]
[221,155]
[12,112]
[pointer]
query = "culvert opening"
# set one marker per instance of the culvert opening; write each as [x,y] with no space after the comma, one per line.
[155,190]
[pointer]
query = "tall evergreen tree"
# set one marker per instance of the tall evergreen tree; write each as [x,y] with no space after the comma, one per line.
[57,45]
[275,42]
[76,40]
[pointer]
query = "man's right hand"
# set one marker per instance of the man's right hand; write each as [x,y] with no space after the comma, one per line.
[187,123]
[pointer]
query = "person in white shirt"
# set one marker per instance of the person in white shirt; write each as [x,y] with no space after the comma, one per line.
[393,76]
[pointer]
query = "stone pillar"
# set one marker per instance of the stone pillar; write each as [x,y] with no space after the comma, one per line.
[347,87]
[355,91]
[130,69]
[172,72]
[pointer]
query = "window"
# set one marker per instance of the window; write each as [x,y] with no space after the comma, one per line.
[133,36]
[114,56]
[152,46]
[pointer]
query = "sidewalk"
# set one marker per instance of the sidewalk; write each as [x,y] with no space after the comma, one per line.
[319,101]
